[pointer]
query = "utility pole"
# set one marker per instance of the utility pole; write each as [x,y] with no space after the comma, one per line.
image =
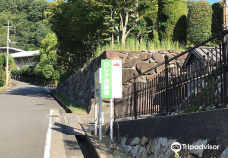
[225,13]
[7,55]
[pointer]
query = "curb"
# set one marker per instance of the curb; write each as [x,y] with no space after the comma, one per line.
[3,90]
[89,145]
[11,85]
[66,108]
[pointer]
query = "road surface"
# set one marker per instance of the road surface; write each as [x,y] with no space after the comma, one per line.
[26,128]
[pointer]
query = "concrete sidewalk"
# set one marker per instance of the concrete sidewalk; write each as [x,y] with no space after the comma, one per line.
[104,148]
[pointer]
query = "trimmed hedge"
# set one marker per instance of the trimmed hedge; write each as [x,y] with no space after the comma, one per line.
[217,17]
[172,20]
[199,22]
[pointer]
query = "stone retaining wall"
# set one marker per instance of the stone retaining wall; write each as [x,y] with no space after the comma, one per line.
[79,87]
[210,127]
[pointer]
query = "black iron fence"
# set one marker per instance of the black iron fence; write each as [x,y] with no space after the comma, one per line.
[199,85]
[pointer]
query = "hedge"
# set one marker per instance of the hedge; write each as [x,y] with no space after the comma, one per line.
[217,17]
[172,20]
[199,22]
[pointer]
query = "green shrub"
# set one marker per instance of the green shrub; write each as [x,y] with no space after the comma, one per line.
[199,22]
[217,17]
[2,78]
[172,20]
[26,71]
[48,71]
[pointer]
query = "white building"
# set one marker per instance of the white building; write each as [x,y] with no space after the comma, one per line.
[21,57]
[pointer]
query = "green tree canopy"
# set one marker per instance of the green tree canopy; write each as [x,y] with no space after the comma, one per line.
[217,17]
[30,19]
[199,22]
[172,20]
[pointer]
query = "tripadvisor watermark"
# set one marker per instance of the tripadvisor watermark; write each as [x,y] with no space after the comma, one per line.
[177,147]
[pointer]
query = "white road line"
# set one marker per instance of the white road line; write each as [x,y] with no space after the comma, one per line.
[47,148]
[48,90]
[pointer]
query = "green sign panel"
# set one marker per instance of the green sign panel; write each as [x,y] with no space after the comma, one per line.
[106,87]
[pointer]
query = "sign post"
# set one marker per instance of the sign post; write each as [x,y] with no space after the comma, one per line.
[111,84]
[111,119]
[100,106]
[96,98]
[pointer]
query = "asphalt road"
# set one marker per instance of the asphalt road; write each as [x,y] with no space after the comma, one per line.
[24,119]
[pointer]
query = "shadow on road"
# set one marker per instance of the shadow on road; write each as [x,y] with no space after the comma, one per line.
[73,145]
[38,92]
[66,129]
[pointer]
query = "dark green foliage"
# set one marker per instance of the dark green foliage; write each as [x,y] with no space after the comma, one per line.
[217,17]
[30,20]
[47,69]
[12,65]
[172,20]
[67,74]
[199,22]
[2,78]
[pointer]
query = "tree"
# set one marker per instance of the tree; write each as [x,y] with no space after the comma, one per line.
[49,46]
[199,22]
[217,17]
[148,11]
[30,19]
[12,65]
[172,20]
[125,9]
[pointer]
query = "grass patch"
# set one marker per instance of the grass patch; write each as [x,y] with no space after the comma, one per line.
[76,108]
[3,88]
[133,45]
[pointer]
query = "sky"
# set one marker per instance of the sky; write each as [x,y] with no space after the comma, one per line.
[212,1]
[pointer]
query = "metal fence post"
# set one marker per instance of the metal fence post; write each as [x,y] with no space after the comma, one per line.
[224,53]
[135,97]
[166,84]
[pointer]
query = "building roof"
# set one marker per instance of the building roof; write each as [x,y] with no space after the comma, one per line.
[24,54]
[210,53]
[15,49]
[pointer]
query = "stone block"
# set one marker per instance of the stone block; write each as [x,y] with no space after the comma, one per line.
[112,55]
[136,141]
[123,142]
[142,152]
[199,152]
[163,51]
[128,73]
[135,150]
[158,58]
[133,54]
[144,141]
[145,56]
[127,148]
[224,153]
[130,63]
[143,66]
[174,51]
